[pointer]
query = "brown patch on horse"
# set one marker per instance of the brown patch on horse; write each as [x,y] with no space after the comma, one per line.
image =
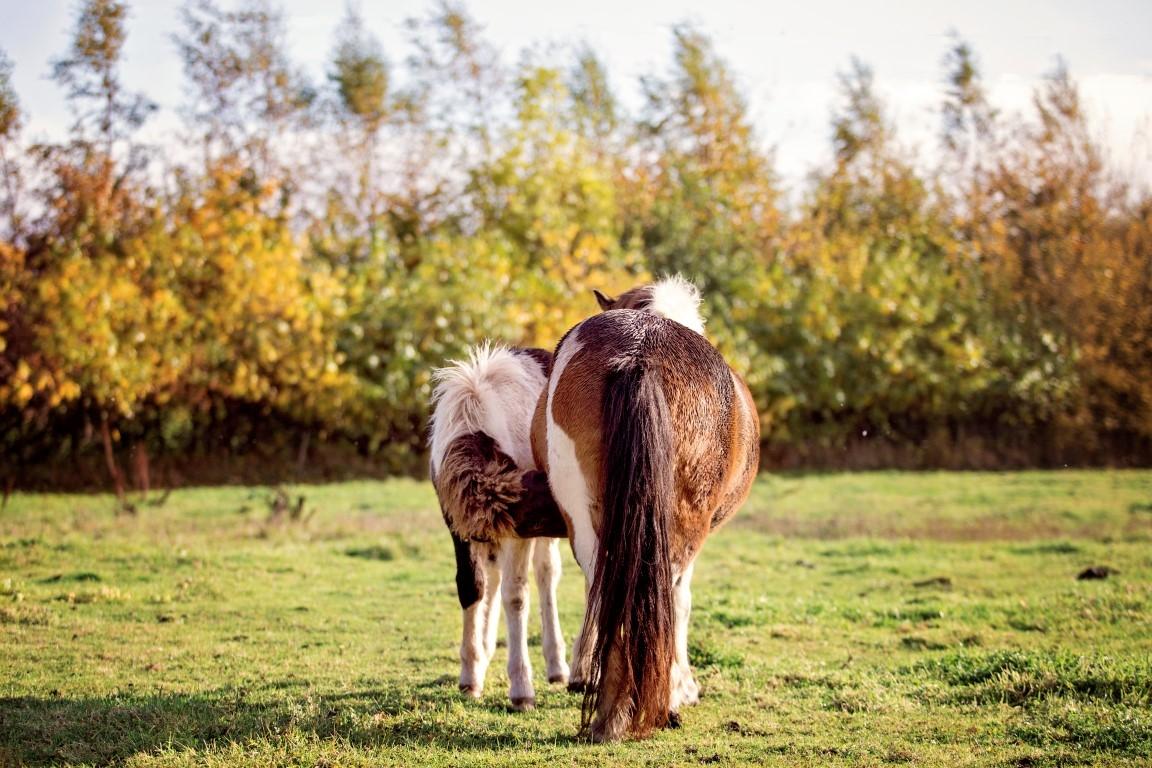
[579,392]
[539,432]
[484,496]
[744,459]
[701,396]
[536,435]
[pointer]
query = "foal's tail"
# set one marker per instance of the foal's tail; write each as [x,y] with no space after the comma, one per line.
[481,489]
[631,599]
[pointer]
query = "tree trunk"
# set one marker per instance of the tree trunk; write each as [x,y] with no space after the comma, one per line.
[110,457]
[141,473]
[302,454]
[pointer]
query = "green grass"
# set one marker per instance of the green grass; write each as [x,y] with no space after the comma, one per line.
[856,619]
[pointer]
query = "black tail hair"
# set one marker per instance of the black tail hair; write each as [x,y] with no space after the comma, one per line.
[631,600]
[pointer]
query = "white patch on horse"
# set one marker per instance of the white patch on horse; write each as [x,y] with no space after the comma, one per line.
[569,486]
[677,299]
[572,494]
[494,392]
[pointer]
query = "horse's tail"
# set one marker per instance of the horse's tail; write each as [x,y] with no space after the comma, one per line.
[631,599]
[478,483]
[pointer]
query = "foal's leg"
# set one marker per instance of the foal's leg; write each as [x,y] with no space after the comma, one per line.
[546,563]
[491,600]
[477,580]
[684,687]
[515,559]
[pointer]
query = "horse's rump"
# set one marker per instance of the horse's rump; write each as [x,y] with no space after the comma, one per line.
[705,406]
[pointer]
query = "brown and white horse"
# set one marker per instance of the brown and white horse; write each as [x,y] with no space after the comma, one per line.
[499,510]
[650,442]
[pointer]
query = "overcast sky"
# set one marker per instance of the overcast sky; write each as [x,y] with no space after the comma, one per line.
[785,55]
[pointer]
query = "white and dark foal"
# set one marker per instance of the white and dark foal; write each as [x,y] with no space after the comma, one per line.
[499,510]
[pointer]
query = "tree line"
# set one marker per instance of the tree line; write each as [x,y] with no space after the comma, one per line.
[266,294]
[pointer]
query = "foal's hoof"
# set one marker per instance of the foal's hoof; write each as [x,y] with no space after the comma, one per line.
[577,686]
[524,704]
[471,691]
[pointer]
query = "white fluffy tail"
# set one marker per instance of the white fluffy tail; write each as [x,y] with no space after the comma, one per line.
[494,392]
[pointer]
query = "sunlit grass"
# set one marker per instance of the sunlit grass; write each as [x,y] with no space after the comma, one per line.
[855,619]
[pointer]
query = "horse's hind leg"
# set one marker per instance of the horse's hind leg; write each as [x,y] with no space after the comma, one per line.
[477,580]
[546,563]
[582,648]
[684,687]
[515,559]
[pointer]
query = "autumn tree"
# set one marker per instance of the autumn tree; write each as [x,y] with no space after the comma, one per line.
[11,121]
[461,102]
[246,96]
[15,390]
[460,80]
[552,198]
[360,77]
[704,202]
[1073,254]
[100,309]
[599,116]
[968,133]
[105,112]
[873,331]
[98,169]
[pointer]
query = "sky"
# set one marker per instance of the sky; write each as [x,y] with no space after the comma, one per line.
[785,56]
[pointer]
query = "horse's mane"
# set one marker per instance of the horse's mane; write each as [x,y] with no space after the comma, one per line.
[677,299]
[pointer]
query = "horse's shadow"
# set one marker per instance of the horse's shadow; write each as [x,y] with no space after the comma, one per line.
[102,730]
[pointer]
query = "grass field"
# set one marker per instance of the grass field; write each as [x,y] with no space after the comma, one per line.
[857,619]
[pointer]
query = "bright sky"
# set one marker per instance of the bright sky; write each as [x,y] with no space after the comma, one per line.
[785,55]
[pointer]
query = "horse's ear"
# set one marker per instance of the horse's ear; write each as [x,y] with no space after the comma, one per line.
[605,302]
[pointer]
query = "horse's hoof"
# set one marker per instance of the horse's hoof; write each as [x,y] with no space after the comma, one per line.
[524,704]
[471,691]
[674,720]
[561,679]
[577,686]
[601,736]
